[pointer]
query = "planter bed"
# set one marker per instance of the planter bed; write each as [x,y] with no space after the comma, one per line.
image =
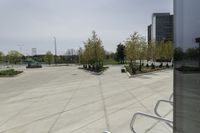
[95,72]
[144,70]
[9,73]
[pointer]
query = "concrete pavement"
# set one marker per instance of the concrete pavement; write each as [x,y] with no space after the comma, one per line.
[69,100]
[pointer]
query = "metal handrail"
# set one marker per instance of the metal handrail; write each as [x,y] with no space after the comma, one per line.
[156,109]
[158,103]
[147,115]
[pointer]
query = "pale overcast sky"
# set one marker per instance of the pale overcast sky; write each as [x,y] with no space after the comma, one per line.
[33,23]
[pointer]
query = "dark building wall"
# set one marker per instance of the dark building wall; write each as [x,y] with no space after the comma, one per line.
[187,69]
[161,28]
[164,28]
[149,33]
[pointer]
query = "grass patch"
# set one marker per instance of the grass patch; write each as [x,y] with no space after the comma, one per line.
[110,61]
[9,73]
[99,71]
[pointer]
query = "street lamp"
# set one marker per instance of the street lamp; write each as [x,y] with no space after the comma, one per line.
[20,49]
[55,46]
[198,41]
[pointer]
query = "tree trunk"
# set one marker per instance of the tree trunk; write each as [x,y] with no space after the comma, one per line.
[140,67]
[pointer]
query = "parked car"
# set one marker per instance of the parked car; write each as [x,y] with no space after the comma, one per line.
[34,65]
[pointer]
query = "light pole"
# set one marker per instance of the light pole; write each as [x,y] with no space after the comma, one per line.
[55,47]
[20,49]
[79,55]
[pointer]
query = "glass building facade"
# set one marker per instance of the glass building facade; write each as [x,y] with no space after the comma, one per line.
[187,66]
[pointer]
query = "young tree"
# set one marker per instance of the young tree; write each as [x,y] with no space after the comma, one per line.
[162,50]
[94,52]
[135,49]
[120,53]
[49,57]
[141,51]
[169,50]
[131,50]
[14,57]
[151,51]
[131,47]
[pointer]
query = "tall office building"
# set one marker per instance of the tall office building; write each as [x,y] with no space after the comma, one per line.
[149,33]
[161,27]
[187,69]
[34,51]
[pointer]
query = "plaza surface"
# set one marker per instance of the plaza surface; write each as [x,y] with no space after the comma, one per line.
[70,100]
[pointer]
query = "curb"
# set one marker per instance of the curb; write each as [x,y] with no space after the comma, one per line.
[140,74]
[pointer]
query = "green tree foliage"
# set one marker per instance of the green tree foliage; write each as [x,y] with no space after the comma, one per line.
[178,54]
[49,58]
[93,54]
[131,47]
[14,57]
[120,53]
[141,51]
[151,51]
[135,49]
[165,50]
[1,57]
[161,51]
[169,50]
[192,53]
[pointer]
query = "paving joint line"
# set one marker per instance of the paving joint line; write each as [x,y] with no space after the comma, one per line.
[51,115]
[69,100]
[104,105]
[19,112]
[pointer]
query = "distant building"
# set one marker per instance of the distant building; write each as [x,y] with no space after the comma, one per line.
[34,51]
[161,27]
[149,33]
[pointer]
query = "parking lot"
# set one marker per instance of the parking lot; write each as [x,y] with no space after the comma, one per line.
[70,100]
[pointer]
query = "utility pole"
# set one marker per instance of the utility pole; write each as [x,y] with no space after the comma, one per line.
[79,55]
[55,46]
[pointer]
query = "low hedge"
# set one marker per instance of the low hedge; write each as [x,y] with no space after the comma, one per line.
[189,69]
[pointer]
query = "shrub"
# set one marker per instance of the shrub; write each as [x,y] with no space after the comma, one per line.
[10,72]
